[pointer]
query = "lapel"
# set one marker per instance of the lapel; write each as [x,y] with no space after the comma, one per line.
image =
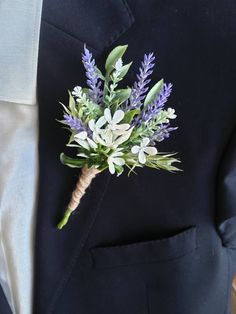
[65,26]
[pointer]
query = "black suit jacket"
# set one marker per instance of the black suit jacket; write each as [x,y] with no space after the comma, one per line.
[156,242]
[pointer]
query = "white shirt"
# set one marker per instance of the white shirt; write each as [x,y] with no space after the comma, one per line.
[20,27]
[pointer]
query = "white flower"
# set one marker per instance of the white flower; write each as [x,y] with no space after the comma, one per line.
[113,128]
[83,139]
[113,121]
[113,134]
[115,159]
[143,149]
[77,91]
[118,64]
[96,127]
[171,113]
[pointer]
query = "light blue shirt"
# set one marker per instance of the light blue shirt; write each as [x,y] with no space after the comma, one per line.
[20,27]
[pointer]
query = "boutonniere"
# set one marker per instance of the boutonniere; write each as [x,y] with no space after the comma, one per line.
[113,128]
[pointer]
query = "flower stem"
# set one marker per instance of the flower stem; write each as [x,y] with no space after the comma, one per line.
[65,219]
[84,181]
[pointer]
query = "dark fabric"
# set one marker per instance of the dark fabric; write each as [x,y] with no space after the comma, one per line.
[145,252]
[227,196]
[155,242]
[4,306]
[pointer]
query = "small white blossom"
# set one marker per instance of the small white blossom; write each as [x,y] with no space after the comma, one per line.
[96,127]
[77,91]
[115,159]
[83,139]
[118,64]
[143,149]
[171,113]
[113,128]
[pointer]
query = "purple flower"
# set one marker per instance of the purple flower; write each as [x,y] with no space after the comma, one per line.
[140,87]
[164,95]
[162,133]
[153,109]
[93,81]
[74,123]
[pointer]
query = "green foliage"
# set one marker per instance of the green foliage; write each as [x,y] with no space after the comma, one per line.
[71,162]
[129,115]
[154,92]
[72,105]
[121,95]
[124,70]
[163,161]
[113,57]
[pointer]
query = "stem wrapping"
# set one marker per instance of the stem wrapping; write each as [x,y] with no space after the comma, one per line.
[84,181]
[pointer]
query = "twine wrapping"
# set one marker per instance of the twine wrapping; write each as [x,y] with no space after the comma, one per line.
[84,181]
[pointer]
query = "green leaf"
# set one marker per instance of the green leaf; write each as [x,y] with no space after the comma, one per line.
[129,115]
[71,162]
[119,170]
[71,139]
[85,90]
[153,93]
[122,95]
[125,69]
[72,104]
[81,112]
[113,57]
[65,108]
[100,75]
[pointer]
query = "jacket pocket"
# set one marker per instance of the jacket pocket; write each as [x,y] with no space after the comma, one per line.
[161,250]
[96,23]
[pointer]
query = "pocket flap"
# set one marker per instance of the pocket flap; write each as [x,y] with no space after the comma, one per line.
[145,252]
[96,23]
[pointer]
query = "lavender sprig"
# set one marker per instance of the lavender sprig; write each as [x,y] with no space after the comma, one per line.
[164,95]
[162,133]
[140,86]
[74,123]
[95,92]
[153,109]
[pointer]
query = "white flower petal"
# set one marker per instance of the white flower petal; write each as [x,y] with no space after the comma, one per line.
[118,116]
[82,155]
[107,115]
[101,121]
[92,143]
[150,150]
[117,153]
[81,135]
[111,166]
[107,136]
[119,132]
[91,124]
[135,149]
[145,141]
[83,144]
[123,137]
[99,140]
[141,157]
[119,161]
[123,126]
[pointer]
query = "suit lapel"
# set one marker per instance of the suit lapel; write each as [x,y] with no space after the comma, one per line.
[59,68]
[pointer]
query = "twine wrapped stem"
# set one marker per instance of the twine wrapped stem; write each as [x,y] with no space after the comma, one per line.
[85,179]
